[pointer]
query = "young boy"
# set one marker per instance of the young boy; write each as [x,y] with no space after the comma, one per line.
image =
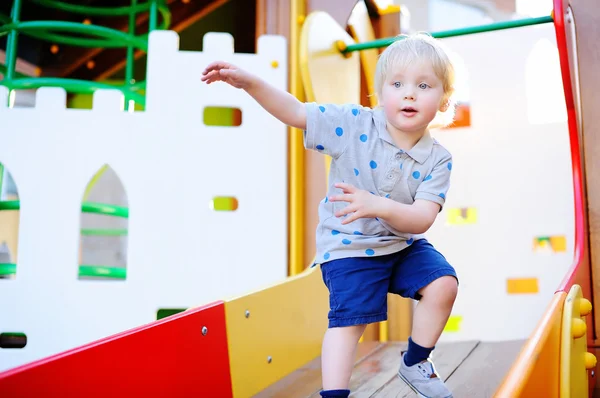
[388,181]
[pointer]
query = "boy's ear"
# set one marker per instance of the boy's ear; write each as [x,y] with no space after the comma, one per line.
[445,105]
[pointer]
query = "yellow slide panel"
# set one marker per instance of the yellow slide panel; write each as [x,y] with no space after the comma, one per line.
[274,331]
[575,360]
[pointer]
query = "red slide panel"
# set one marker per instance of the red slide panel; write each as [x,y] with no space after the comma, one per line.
[579,271]
[183,355]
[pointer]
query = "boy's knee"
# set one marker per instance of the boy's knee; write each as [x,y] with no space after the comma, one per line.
[443,290]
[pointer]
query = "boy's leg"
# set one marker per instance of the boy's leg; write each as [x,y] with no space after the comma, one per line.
[338,356]
[433,310]
[358,290]
[422,273]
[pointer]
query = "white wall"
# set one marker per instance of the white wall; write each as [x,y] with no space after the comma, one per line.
[180,252]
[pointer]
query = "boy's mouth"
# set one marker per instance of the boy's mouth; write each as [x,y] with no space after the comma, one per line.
[408,109]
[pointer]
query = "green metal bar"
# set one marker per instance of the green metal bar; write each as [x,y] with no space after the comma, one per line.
[8,269]
[153,17]
[70,85]
[114,37]
[86,207]
[379,43]
[104,232]
[11,43]
[129,71]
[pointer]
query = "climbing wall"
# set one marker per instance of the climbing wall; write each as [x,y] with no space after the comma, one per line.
[183,247]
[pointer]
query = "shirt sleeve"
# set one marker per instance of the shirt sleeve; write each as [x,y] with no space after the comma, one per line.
[329,126]
[435,186]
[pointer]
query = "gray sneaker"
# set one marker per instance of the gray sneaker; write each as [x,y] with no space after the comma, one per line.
[423,379]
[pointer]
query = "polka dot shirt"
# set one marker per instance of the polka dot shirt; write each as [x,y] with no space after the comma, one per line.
[364,154]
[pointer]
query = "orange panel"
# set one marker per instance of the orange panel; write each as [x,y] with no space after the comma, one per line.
[535,373]
[522,286]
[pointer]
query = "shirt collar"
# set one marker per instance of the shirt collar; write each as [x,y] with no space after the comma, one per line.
[422,149]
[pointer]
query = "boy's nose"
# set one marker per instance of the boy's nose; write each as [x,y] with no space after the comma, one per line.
[409,96]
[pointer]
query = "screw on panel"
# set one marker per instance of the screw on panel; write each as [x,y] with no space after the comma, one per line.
[204,330]
[593,373]
[247,314]
[269,359]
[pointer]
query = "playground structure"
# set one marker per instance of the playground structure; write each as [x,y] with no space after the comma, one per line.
[252,345]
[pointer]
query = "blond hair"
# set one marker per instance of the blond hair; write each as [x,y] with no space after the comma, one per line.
[419,47]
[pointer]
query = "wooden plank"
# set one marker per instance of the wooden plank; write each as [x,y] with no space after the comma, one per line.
[483,370]
[447,357]
[307,380]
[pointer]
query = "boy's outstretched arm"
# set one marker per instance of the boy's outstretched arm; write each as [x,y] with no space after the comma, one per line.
[279,103]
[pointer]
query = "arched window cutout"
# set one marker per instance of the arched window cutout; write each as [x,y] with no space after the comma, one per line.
[104,228]
[543,85]
[462,94]
[9,224]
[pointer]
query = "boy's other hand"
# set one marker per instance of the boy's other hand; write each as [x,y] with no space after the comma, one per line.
[226,72]
[361,204]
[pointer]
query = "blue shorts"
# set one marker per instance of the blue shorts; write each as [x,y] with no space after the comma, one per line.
[358,286]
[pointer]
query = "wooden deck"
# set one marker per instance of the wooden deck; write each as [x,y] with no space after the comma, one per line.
[470,369]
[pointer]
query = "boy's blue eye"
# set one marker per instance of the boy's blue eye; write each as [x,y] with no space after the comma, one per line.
[423,86]
[397,84]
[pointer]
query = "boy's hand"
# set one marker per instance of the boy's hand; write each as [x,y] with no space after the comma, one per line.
[228,73]
[362,204]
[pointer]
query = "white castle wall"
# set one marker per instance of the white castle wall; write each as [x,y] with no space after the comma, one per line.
[180,252]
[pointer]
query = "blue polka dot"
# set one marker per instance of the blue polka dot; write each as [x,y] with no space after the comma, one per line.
[320,147]
[401,166]
[355,111]
[428,178]
[372,193]
[356,172]
[370,252]
[387,196]
[442,195]
[322,109]
[410,241]
[335,232]
[326,199]
[304,133]
[339,131]
[363,137]
[416,174]
[449,165]
[357,233]
[373,164]
[326,256]
[346,241]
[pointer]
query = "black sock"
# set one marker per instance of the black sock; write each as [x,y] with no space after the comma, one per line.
[335,393]
[416,353]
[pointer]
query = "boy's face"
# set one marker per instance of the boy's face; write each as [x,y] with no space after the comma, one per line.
[411,97]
